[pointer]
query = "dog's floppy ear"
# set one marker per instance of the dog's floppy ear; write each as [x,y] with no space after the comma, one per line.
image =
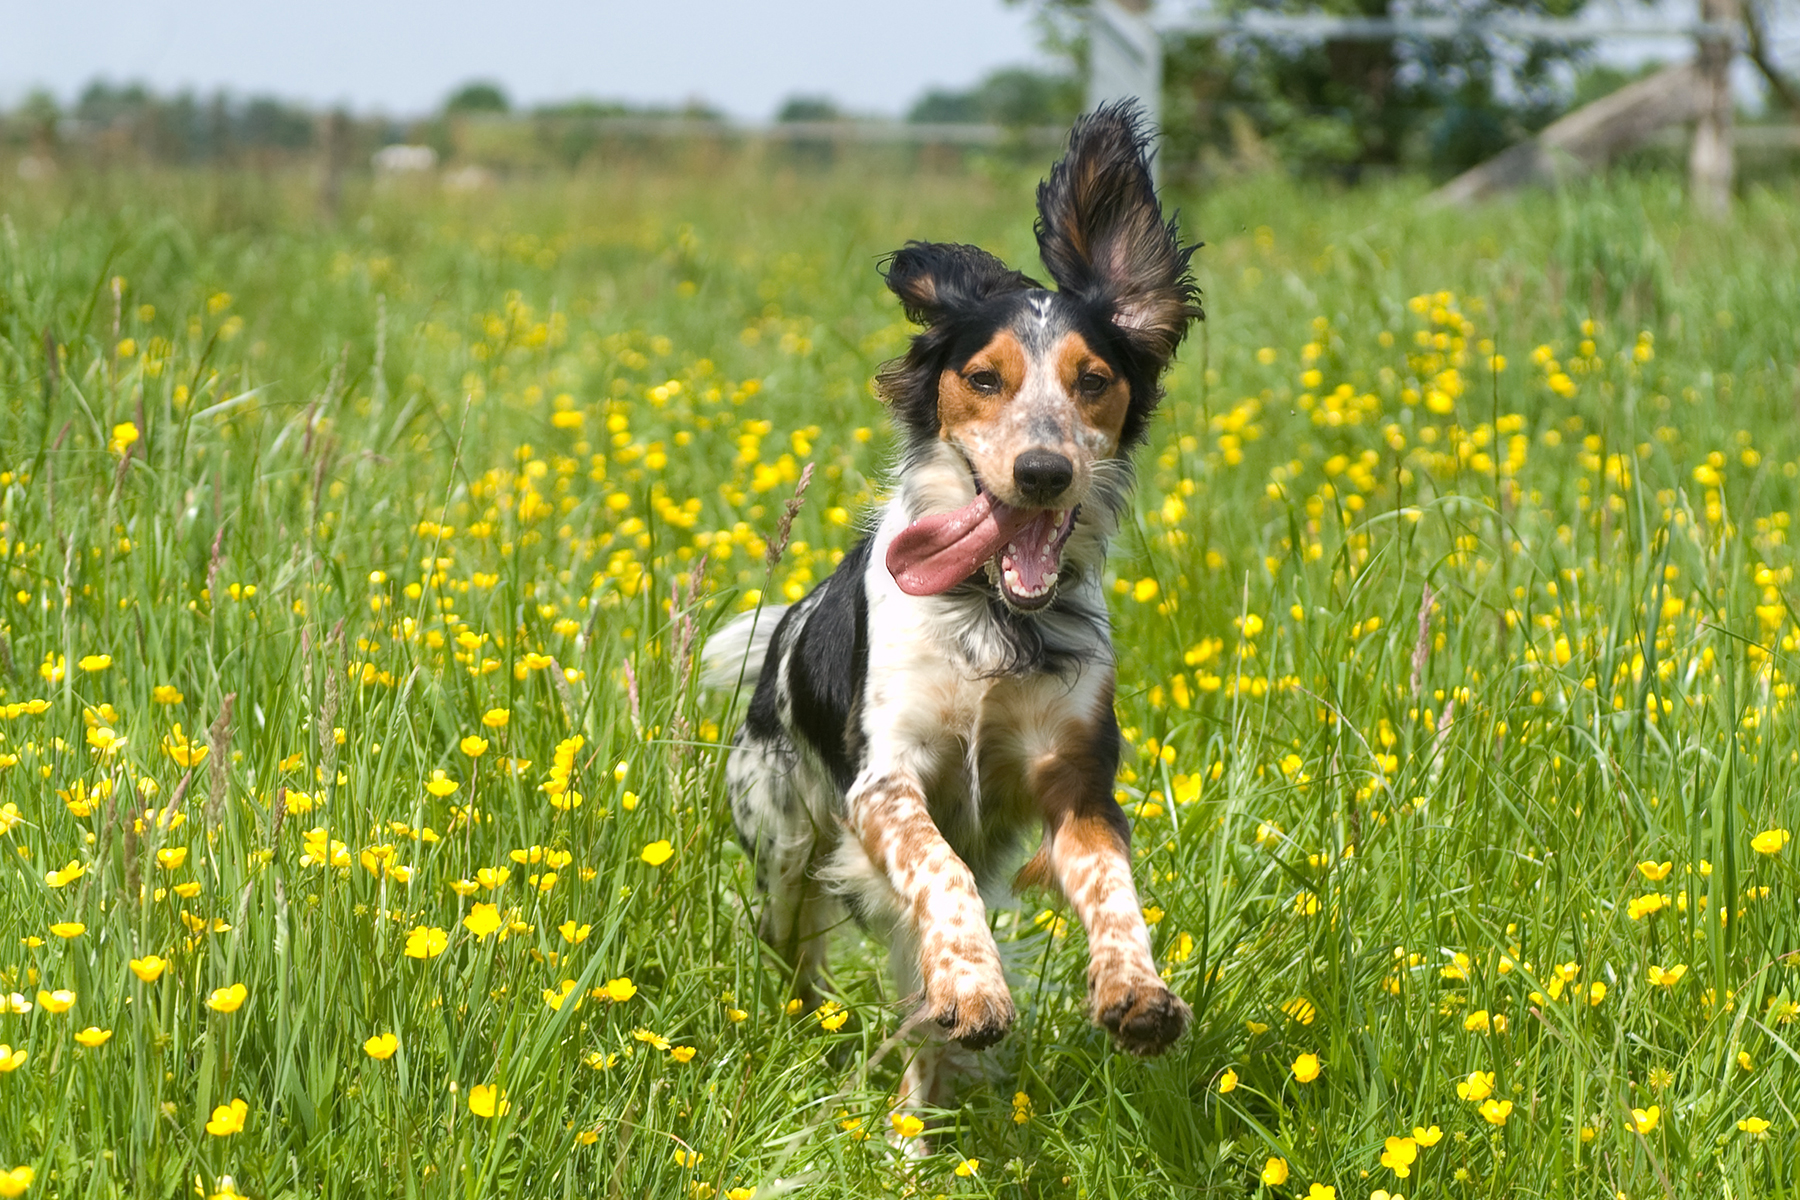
[935,280]
[1102,237]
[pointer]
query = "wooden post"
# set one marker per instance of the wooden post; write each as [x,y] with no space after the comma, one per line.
[1125,60]
[1710,162]
[334,153]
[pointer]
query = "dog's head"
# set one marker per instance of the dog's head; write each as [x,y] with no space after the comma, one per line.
[1036,391]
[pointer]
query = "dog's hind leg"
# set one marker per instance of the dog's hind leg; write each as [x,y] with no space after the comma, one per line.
[776,830]
[797,917]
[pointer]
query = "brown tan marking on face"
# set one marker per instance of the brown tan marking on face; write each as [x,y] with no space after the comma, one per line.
[1101,395]
[975,396]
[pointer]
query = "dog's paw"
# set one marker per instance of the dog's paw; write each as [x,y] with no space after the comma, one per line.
[1142,1014]
[972,1005]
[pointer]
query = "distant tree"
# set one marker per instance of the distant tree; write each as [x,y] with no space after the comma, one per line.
[942,107]
[266,121]
[479,96]
[809,108]
[102,102]
[39,115]
[1012,96]
[584,107]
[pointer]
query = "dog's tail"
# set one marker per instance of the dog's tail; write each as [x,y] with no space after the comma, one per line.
[734,654]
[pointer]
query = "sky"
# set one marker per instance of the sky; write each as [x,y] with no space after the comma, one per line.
[402,57]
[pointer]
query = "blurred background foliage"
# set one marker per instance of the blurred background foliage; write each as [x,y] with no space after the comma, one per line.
[1234,103]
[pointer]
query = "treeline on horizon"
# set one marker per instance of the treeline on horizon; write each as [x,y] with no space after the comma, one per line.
[116,122]
[1439,108]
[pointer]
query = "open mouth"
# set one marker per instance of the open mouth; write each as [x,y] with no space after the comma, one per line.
[1020,547]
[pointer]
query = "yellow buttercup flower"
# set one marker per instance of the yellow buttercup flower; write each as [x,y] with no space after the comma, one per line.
[1228,1081]
[488,1101]
[1655,872]
[228,1119]
[66,875]
[94,663]
[11,1060]
[59,1001]
[1275,1172]
[1477,1087]
[1645,1119]
[1769,841]
[1023,1108]
[657,853]
[182,751]
[16,1181]
[1495,1112]
[440,785]
[93,1036]
[968,1167]
[68,929]
[426,941]
[473,746]
[228,999]
[381,1047]
[1306,1068]
[1398,1155]
[482,920]
[906,1125]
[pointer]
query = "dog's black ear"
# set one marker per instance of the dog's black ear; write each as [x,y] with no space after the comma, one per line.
[1102,237]
[935,280]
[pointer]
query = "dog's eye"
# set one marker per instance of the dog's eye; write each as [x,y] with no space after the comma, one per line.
[985,381]
[1092,383]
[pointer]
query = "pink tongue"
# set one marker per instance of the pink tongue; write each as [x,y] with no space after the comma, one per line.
[1030,557]
[935,553]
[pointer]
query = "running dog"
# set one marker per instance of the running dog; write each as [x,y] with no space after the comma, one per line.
[949,688]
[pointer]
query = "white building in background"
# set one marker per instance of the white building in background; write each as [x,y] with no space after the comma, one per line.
[404,160]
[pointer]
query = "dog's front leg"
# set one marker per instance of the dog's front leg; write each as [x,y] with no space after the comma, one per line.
[1089,858]
[959,964]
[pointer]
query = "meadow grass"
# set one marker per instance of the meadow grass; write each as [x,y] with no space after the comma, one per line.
[1456,641]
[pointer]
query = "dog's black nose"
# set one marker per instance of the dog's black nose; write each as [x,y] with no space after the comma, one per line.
[1042,475]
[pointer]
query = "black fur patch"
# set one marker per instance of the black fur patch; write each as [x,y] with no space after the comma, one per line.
[827,664]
